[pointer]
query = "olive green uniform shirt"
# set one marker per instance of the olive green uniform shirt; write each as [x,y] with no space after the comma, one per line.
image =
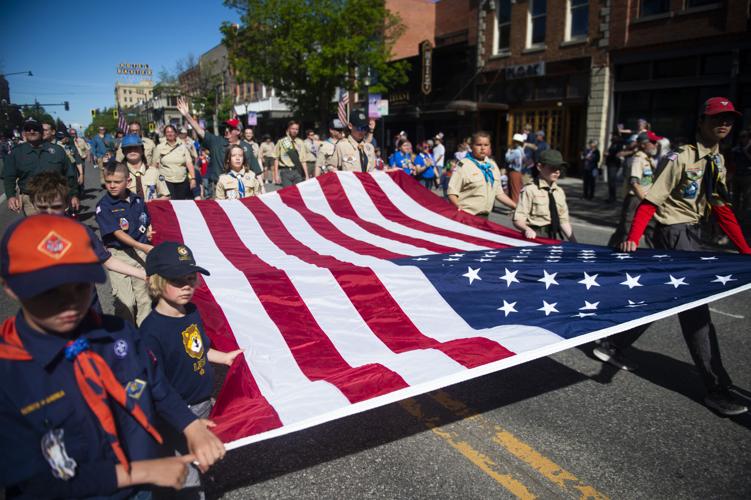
[476,195]
[346,156]
[284,146]
[678,190]
[534,204]
[25,161]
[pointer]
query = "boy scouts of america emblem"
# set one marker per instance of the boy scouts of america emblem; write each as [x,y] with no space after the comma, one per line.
[192,342]
[124,224]
[54,246]
[183,253]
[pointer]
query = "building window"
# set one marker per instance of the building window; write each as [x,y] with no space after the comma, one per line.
[578,19]
[653,7]
[536,26]
[700,3]
[503,27]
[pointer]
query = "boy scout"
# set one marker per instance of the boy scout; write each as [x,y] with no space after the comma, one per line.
[189,144]
[125,229]
[80,143]
[640,180]
[688,186]
[476,184]
[80,395]
[148,145]
[326,150]
[353,154]
[266,156]
[542,207]
[290,157]
[251,143]
[147,183]
[28,159]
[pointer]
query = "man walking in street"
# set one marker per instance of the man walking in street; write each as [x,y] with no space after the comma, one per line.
[30,158]
[216,146]
[290,157]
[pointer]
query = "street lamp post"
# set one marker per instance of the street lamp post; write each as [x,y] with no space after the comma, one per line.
[18,73]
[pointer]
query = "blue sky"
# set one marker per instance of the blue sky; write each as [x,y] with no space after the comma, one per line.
[73,48]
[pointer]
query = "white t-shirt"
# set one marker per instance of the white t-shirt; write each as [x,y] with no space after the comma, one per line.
[439,153]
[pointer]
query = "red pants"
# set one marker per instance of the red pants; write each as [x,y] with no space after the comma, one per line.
[514,185]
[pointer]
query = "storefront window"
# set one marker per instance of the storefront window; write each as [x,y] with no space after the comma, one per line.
[633,72]
[700,3]
[578,19]
[537,17]
[652,7]
[716,64]
[503,26]
[675,68]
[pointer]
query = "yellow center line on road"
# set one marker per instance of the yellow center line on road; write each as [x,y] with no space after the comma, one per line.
[483,462]
[547,468]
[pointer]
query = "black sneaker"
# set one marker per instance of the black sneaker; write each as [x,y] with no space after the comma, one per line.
[724,403]
[609,354]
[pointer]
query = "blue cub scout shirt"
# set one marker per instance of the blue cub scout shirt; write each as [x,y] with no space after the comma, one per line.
[129,215]
[42,395]
[181,347]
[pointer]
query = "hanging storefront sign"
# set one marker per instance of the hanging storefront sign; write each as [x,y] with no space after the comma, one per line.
[426,72]
[525,70]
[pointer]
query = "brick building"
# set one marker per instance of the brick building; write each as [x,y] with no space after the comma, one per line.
[668,56]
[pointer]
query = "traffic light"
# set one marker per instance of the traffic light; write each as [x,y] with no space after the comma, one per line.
[93,113]
[114,114]
[67,106]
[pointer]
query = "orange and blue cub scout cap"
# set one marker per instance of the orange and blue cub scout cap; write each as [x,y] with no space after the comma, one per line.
[42,252]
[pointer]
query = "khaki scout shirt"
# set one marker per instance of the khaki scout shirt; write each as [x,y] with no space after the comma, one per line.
[534,204]
[642,168]
[148,150]
[678,191]
[284,145]
[476,196]
[227,187]
[324,154]
[266,150]
[151,180]
[253,147]
[82,146]
[347,156]
[172,161]
[191,148]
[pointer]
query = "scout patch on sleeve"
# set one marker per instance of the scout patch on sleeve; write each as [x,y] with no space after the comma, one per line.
[124,224]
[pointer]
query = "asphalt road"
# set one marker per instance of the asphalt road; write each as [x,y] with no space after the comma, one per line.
[566,426]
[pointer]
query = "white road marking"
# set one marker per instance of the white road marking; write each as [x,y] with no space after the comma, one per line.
[737,316]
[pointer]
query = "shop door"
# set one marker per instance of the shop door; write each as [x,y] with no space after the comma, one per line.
[555,122]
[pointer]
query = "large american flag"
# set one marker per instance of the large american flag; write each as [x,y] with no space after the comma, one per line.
[352,291]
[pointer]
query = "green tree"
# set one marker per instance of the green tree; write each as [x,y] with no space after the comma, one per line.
[104,118]
[305,49]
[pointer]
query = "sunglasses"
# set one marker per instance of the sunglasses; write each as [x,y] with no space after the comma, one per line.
[32,129]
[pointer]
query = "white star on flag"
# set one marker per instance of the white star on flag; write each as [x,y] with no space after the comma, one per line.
[548,308]
[483,260]
[516,260]
[451,260]
[723,279]
[631,281]
[589,306]
[472,274]
[676,282]
[583,315]
[622,256]
[421,258]
[631,303]
[456,255]
[523,250]
[661,256]
[589,281]
[508,308]
[510,277]
[494,251]
[548,279]
[708,258]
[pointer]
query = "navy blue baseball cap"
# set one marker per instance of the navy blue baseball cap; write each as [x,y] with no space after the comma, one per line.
[172,260]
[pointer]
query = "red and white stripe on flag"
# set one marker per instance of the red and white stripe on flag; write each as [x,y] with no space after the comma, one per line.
[342,108]
[302,280]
